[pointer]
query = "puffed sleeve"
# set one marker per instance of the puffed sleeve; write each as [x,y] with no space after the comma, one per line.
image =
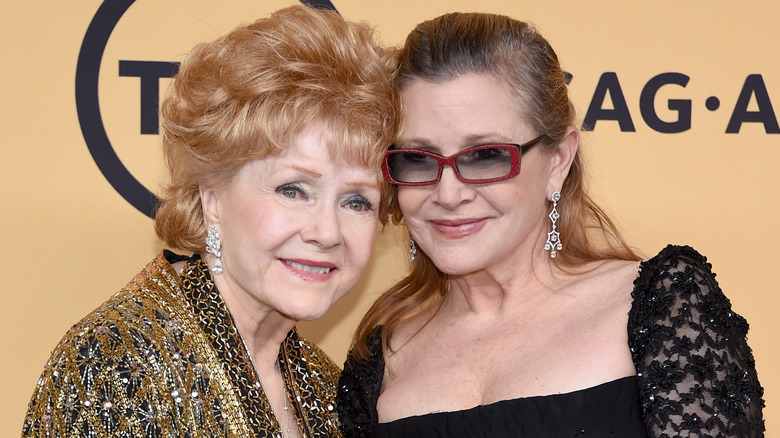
[697,373]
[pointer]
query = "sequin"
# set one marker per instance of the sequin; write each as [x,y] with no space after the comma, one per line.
[163,356]
[696,373]
[698,376]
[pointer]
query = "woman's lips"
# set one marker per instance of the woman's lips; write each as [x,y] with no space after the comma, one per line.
[458,229]
[309,270]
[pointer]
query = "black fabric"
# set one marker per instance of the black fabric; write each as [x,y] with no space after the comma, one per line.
[695,374]
[610,409]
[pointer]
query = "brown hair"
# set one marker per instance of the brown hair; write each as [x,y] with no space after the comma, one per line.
[245,96]
[458,43]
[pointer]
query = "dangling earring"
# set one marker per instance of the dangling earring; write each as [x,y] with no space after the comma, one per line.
[412,248]
[213,244]
[554,237]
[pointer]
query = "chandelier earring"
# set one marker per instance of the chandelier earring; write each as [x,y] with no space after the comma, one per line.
[213,245]
[553,243]
[412,248]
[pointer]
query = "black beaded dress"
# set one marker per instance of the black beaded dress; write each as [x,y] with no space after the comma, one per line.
[695,375]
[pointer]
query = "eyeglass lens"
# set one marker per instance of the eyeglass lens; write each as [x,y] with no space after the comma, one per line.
[479,163]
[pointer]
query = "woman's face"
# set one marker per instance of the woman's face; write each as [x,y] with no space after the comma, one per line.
[297,229]
[467,228]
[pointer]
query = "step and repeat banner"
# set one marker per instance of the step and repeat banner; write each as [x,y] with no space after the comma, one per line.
[679,101]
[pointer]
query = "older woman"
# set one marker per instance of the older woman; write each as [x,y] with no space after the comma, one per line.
[273,135]
[525,313]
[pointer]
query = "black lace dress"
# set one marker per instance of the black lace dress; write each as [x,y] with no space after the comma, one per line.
[696,375]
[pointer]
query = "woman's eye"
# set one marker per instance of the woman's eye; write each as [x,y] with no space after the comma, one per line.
[483,155]
[359,203]
[414,158]
[291,191]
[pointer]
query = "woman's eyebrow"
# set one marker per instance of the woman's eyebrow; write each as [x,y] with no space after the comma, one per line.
[306,171]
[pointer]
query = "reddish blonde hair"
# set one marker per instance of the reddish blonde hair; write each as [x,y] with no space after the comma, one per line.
[246,95]
[458,43]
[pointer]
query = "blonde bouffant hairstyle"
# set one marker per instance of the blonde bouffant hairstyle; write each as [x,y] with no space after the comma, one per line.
[454,44]
[246,95]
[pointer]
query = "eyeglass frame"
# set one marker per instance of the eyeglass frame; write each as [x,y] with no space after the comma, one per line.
[450,161]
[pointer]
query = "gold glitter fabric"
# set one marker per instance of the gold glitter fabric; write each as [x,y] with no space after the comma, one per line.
[163,358]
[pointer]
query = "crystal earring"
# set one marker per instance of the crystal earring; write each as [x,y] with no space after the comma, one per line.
[554,237]
[412,248]
[213,244]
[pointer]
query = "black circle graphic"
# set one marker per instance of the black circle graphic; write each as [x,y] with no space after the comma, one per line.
[88,107]
[88,104]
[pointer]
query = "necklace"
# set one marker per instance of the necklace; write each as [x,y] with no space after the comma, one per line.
[283,395]
[283,430]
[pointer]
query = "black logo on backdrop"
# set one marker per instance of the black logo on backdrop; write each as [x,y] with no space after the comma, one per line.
[88,105]
[617,110]
[608,103]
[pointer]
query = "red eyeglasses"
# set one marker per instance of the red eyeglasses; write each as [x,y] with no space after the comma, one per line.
[475,165]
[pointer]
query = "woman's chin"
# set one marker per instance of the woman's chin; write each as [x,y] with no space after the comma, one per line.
[307,314]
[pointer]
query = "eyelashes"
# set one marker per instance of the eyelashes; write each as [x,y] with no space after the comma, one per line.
[359,203]
[292,191]
[355,202]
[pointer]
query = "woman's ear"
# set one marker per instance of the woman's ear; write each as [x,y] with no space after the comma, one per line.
[209,201]
[562,159]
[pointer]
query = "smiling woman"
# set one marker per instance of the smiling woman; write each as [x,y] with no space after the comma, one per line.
[525,312]
[297,230]
[273,135]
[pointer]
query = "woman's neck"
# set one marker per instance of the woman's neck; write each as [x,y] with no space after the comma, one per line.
[496,291]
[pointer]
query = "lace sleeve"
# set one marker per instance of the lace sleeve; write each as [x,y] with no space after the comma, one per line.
[697,373]
[359,388]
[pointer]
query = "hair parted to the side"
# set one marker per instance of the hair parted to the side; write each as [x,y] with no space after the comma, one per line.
[247,94]
[453,44]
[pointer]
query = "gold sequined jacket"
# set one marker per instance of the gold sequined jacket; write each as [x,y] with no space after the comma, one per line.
[163,357]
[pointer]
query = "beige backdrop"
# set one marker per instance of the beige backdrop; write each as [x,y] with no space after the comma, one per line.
[69,240]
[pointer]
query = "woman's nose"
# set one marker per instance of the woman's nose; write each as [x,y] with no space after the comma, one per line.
[322,227]
[450,192]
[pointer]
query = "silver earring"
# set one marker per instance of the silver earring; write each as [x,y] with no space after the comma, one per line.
[412,248]
[213,244]
[554,237]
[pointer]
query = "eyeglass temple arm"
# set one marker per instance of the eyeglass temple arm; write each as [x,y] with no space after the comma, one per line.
[524,147]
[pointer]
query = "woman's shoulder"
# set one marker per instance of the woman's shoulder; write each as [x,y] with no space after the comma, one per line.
[359,387]
[674,255]
[677,270]
[319,362]
[675,286]
[607,281]
[117,347]
[689,347]
[373,344]
[621,269]
[670,258]
[124,310]
[123,325]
